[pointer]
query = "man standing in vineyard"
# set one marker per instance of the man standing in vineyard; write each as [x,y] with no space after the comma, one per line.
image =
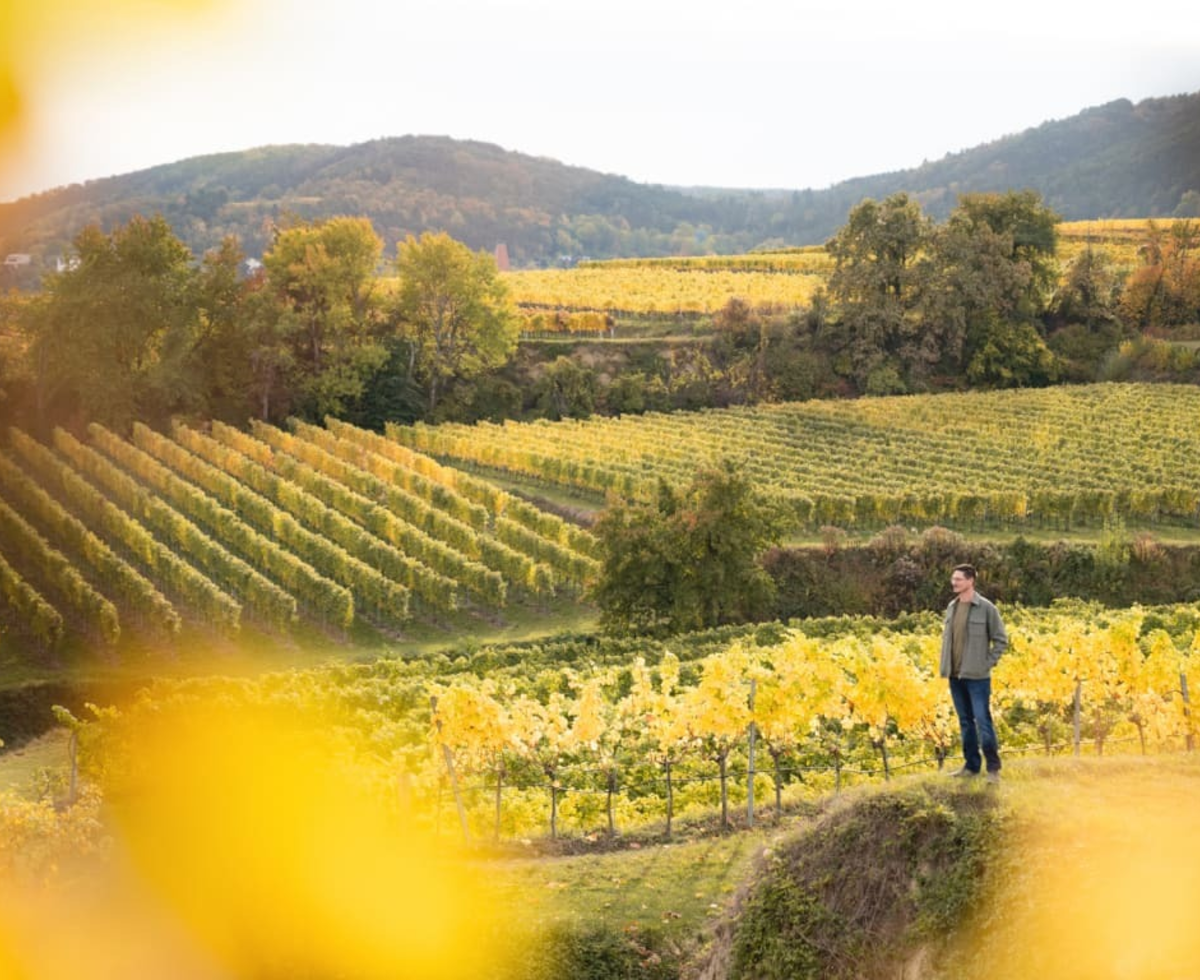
[973,638]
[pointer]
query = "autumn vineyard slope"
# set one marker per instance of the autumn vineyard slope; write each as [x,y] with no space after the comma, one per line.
[571,736]
[589,298]
[1057,457]
[145,535]
[337,525]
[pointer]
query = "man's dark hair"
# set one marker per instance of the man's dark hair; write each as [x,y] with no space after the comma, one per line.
[967,570]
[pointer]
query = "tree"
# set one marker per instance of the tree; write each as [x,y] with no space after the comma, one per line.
[454,311]
[743,344]
[272,360]
[875,287]
[991,274]
[1030,231]
[633,393]
[1011,355]
[542,734]
[1164,291]
[798,686]
[657,715]
[323,278]
[1089,290]
[970,286]
[890,692]
[14,359]
[717,712]
[565,389]
[112,333]
[687,560]
[1189,205]
[1085,313]
[391,396]
[739,321]
[224,350]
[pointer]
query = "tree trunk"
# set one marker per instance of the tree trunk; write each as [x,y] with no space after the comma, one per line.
[553,805]
[499,787]
[670,796]
[750,766]
[458,803]
[1077,712]
[721,760]
[448,757]
[1187,712]
[612,789]
[777,758]
[73,756]
[314,333]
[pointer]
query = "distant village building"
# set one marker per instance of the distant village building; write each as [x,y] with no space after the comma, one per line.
[502,257]
[18,260]
[63,264]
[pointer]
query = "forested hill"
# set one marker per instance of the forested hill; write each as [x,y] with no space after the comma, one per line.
[1117,160]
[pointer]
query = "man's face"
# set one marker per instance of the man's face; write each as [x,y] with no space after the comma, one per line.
[959,583]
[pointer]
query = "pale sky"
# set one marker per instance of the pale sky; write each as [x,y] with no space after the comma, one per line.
[756,93]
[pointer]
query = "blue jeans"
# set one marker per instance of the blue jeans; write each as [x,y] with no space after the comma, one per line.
[972,697]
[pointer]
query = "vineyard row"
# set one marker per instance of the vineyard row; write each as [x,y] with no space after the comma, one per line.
[159,531]
[1059,456]
[634,743]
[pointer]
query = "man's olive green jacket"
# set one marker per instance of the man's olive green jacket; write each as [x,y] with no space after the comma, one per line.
[986,639]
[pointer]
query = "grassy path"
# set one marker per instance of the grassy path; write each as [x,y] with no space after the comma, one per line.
[671,888]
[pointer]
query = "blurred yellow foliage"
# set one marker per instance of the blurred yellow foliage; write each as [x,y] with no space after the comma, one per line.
[1109,889]
[244,846]
[36,36]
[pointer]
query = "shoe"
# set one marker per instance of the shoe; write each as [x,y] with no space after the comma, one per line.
[963,773]
[993,778]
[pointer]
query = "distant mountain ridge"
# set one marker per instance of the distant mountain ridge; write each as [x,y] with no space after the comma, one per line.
[1115,160]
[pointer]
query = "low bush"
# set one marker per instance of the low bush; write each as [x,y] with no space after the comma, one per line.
[875,884]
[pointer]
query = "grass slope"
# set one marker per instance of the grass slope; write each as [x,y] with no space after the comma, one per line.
[21,768]
[1073,868]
